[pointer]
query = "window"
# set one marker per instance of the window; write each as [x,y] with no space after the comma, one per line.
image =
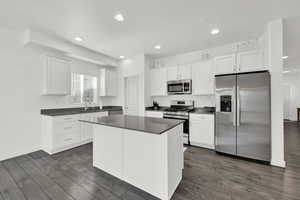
[83,88]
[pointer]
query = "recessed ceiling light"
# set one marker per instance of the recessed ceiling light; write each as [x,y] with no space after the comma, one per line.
[78,39]
[215,31]
[157,47]
[119,17]
[285,57]
[122,57]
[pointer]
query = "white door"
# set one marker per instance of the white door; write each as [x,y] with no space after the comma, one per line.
[225,64]
[287,101]
[132,95]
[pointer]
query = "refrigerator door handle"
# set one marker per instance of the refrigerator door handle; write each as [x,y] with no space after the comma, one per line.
[238,106]
[234,105]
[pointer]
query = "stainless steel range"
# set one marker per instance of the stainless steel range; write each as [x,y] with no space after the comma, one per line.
[180,110]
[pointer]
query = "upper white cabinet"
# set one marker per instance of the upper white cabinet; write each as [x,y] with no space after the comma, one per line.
[250,61]
[179,72]
[184,72]
[203,78]
[158,86]
[56,76]
[240,62]
[225,64]
[172,73]
[108,82]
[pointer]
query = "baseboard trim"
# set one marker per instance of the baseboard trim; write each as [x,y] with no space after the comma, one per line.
[278,163]
[13,155]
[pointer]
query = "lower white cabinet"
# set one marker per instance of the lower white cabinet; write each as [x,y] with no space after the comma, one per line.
[157,114]
[60,133]
[202,130]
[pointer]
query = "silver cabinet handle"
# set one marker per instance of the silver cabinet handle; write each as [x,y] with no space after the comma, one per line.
[68,139]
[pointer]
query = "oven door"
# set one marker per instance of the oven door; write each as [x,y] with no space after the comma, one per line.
[175,87]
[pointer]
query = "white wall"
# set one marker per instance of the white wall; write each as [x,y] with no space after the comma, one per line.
[292,79]
[275,50]
[138,66]
[21,86]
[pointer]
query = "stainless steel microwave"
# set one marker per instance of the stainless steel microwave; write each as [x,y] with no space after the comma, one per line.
[180,87]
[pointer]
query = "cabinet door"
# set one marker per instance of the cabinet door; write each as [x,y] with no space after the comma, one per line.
[112,83]
[250,61]
[184,72]
[158,86]
[57,77]
[86,130]
[202,130]
[108,82]
[172,73]
[203,78]
[225,64]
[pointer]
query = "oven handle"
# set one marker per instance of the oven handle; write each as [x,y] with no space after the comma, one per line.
[172,117]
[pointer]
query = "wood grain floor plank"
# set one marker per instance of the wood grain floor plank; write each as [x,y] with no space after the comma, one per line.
[30,188]
[8,188]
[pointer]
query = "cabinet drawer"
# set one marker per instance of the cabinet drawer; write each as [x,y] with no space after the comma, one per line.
[66,139]
[201,117]
[66,118]
[60,128]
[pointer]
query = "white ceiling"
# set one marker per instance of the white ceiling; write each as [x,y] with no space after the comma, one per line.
[177,25]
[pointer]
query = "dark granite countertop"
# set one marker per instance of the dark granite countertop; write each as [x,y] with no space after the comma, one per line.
[204,110]
[78,110]
[137,123]
[160,109]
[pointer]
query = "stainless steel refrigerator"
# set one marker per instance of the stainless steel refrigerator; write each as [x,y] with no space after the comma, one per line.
[243,115]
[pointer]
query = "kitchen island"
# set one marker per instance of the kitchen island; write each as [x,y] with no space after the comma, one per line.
[143,151]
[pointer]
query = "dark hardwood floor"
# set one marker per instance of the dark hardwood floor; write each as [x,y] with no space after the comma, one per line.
[207,176]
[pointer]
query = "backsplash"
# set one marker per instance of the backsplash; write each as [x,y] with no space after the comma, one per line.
[200,101]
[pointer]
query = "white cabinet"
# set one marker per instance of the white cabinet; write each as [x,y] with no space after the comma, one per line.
[157,114]
[250,61]
[184,72]
[225,64]
[179,72]
[108,82]
[158,86]
[203,78]
[240,62]
[56,79]
[86,129]
[202,130]
[172,73]
[60,133]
